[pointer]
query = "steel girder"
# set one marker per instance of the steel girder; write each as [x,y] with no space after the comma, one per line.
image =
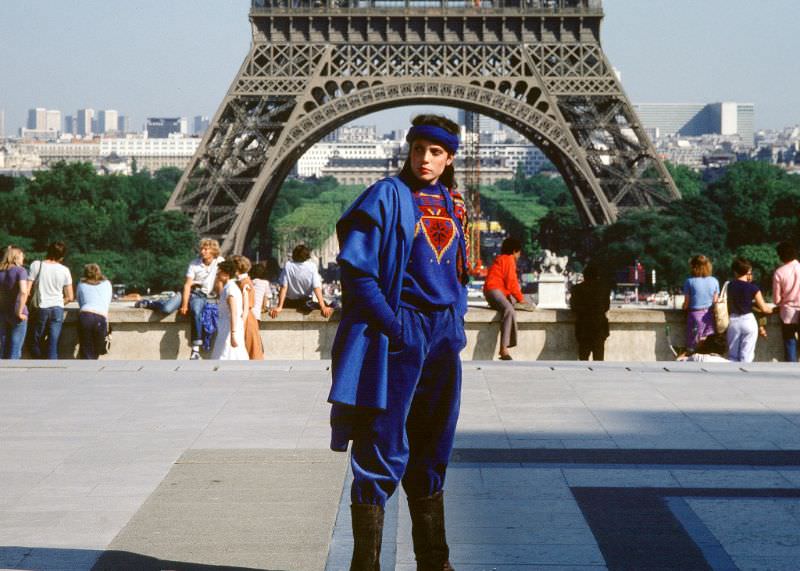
[546,76]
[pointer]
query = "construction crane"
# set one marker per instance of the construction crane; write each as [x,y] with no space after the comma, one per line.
[472,195]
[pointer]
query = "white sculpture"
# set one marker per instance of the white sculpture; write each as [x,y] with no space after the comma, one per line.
[552,264]
[552,283]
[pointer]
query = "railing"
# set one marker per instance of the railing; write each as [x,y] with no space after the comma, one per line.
[345,6]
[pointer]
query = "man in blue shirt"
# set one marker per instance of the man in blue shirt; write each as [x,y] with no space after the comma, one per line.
[298,280]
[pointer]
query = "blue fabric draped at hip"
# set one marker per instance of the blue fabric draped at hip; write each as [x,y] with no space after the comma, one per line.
[411,440]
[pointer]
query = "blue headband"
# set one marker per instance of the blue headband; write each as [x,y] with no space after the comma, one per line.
[435,134]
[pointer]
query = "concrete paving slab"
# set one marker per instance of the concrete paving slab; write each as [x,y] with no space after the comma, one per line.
[755,533]
[123,456]
[212,508]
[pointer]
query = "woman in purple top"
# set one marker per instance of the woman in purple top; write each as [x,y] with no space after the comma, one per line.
[743,294]
[13,295]
[701,291]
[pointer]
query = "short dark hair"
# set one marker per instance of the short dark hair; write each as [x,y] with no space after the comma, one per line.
[301,253]
[511,245]
[259,271]
[227,266]
[56,251]
[741,266]
[786,252]
[591,271]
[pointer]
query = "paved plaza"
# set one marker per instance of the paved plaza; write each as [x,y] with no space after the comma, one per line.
[558,466]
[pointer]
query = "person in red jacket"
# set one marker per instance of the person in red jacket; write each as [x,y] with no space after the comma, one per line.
[501,288]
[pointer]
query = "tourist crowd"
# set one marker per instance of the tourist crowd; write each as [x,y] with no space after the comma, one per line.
[724,324]
[226,298]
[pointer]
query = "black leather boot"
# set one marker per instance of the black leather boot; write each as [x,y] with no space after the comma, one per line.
[427,530]
[367,536]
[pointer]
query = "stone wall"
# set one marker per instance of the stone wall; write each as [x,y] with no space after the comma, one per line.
[636,335]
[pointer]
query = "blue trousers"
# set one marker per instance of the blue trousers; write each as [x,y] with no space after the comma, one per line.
[46,332]
[197,301]
[790,333]
[412,439]
[12,337]
[92,329]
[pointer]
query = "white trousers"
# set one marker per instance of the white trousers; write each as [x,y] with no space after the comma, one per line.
[742,335]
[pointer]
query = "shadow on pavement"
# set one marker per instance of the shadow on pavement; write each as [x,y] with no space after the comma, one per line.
[52,559]
[124,561]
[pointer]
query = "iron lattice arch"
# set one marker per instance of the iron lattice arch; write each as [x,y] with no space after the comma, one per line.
[536,66]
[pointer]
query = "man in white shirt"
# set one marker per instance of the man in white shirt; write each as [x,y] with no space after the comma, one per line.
[197,288]
[298,280]
[53,290]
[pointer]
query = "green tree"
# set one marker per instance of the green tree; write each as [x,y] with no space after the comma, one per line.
[115,221]
[785,220]
[747,194]
[17,217]
[19,241]
[314,221]
[650,237]
[664,239]
[307,211]
[561,230]
[166,233]
[7,183]
[518,213]
[688,181]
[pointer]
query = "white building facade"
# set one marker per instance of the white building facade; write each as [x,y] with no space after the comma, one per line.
[108,121]
[699,119]
[319,155]
[152,154]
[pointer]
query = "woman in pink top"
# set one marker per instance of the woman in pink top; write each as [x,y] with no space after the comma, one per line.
[786,296]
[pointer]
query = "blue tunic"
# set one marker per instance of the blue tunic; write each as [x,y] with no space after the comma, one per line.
[376,235]
[432,281]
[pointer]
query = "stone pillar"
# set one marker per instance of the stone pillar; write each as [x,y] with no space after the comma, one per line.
[552,291]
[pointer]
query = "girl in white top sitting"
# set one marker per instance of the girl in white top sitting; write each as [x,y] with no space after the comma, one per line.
[229,343]
[94,299]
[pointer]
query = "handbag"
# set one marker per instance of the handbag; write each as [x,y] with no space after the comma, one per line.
[721,316]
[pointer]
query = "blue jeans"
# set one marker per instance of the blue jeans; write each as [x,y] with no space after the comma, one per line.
[197,302]
[790,333]
[92,329]
[46,332]
[12,337]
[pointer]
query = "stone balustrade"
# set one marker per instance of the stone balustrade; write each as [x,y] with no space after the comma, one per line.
[636,335]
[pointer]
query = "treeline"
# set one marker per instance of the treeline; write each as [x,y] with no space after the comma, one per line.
[119,221]
[745,213]
[307,212]
[115,221]
[538,210]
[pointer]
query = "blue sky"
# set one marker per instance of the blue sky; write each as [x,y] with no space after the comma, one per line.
[178,57]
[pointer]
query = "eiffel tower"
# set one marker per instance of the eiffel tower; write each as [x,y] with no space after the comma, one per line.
[535,65]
